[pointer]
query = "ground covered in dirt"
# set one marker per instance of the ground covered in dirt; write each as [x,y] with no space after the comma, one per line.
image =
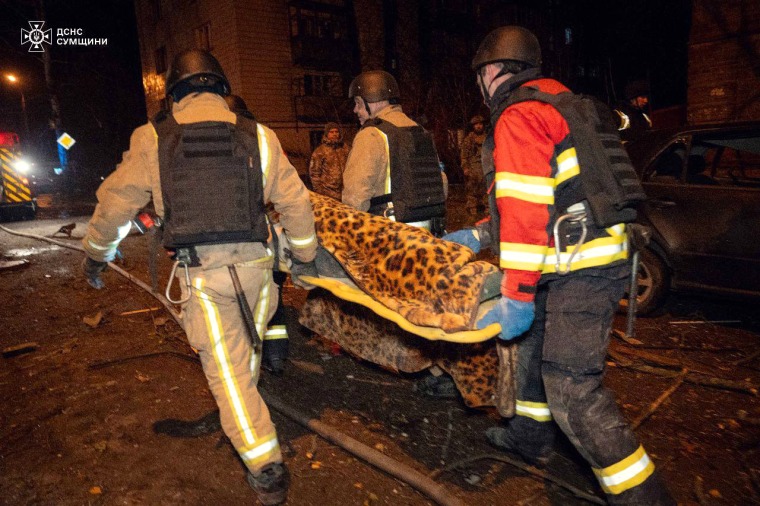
[101,367]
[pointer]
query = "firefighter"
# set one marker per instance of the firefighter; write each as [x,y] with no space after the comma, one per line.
[472,166]
[560,316]
[380,176]
[196,163]
[632,113]
[328,162]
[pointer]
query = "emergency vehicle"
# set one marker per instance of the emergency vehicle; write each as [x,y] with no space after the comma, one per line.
[16,200]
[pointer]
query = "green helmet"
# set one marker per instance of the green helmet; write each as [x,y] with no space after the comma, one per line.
[374,86]
[508,43]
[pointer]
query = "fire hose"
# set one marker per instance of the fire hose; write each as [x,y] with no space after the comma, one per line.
[413,478]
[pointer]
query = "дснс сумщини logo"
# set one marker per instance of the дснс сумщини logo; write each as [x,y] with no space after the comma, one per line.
[36,36]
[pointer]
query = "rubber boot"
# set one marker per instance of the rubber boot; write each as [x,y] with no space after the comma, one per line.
[531,440]
[270,484]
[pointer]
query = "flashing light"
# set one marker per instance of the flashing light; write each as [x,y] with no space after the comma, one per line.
[22,166]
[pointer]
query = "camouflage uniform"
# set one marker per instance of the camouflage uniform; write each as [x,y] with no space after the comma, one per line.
[327,164]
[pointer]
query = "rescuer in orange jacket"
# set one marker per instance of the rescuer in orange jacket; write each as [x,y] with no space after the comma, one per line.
[559,305]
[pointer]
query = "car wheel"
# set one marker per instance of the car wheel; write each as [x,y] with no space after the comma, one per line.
[653,284]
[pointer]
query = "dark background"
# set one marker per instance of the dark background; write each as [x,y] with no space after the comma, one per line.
[100,88]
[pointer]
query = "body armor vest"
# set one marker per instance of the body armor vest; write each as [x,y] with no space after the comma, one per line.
[609,186]
[211,180]
[416,183]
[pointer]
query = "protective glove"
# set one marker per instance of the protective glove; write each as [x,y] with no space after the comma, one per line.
[92,269]
[465,237]
[514,316]
[299,269]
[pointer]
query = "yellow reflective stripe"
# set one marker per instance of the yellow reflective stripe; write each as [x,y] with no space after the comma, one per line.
[261,312]
[276,332]
[567,166]
[538,411]
[625,121]
[601,251]
[224,367]
[536,189]
[13,197]
[264,151]
[524,257]
[302,242]
[263,449]
[269,256]
[626,474]
[387,163]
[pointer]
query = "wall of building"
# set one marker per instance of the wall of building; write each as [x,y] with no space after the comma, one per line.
[724,61]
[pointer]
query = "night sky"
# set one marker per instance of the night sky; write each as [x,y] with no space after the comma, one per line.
[100,87]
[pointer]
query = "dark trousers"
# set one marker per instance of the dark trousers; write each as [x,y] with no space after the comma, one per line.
[560,361]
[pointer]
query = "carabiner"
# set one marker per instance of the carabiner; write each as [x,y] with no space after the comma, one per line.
[573,218]
[187,283]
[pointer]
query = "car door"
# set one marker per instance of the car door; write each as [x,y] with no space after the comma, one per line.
[704,204]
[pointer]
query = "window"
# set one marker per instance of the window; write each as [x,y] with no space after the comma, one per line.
[203,37]
[160,60]
[728,161]
[316,85]
[306,22]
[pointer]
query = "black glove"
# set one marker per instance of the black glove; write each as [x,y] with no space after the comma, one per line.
[92,269]
[299,269]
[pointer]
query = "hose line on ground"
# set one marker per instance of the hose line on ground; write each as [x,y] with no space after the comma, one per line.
[415,479]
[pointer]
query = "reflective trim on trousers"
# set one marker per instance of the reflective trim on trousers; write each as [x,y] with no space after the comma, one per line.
[276,332]
[224,367]
[626,474]
[538,411]
[260,452]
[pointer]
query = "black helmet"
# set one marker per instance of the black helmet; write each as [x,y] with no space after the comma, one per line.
[236,104]
[197,69]
[508,43]
[636,89]
[374,86]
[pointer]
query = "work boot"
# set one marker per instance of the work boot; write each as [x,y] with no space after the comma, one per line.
[534,453]
[439,387]
[270,484]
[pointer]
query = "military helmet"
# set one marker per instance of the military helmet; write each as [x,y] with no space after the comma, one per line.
[508,43]
[477,119]
[636,89]
[236,103]
[197,68]
[374,86]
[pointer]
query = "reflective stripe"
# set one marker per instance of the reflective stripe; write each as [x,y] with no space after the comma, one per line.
[276,332]
[567,166]
[263,151]
[649,121]
[625,121]
[600,251]
[626,474]
[538,411]
[539,190]
[302,242]
[224,367]
[524,257]
[261,313]
[261,451]
[387,163]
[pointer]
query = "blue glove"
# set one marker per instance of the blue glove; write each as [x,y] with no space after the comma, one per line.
[465,237]
[514,316]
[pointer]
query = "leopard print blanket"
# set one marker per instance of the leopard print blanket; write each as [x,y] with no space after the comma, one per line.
[431,282]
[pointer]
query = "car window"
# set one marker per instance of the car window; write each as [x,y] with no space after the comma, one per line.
[726,161]
[668,165]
